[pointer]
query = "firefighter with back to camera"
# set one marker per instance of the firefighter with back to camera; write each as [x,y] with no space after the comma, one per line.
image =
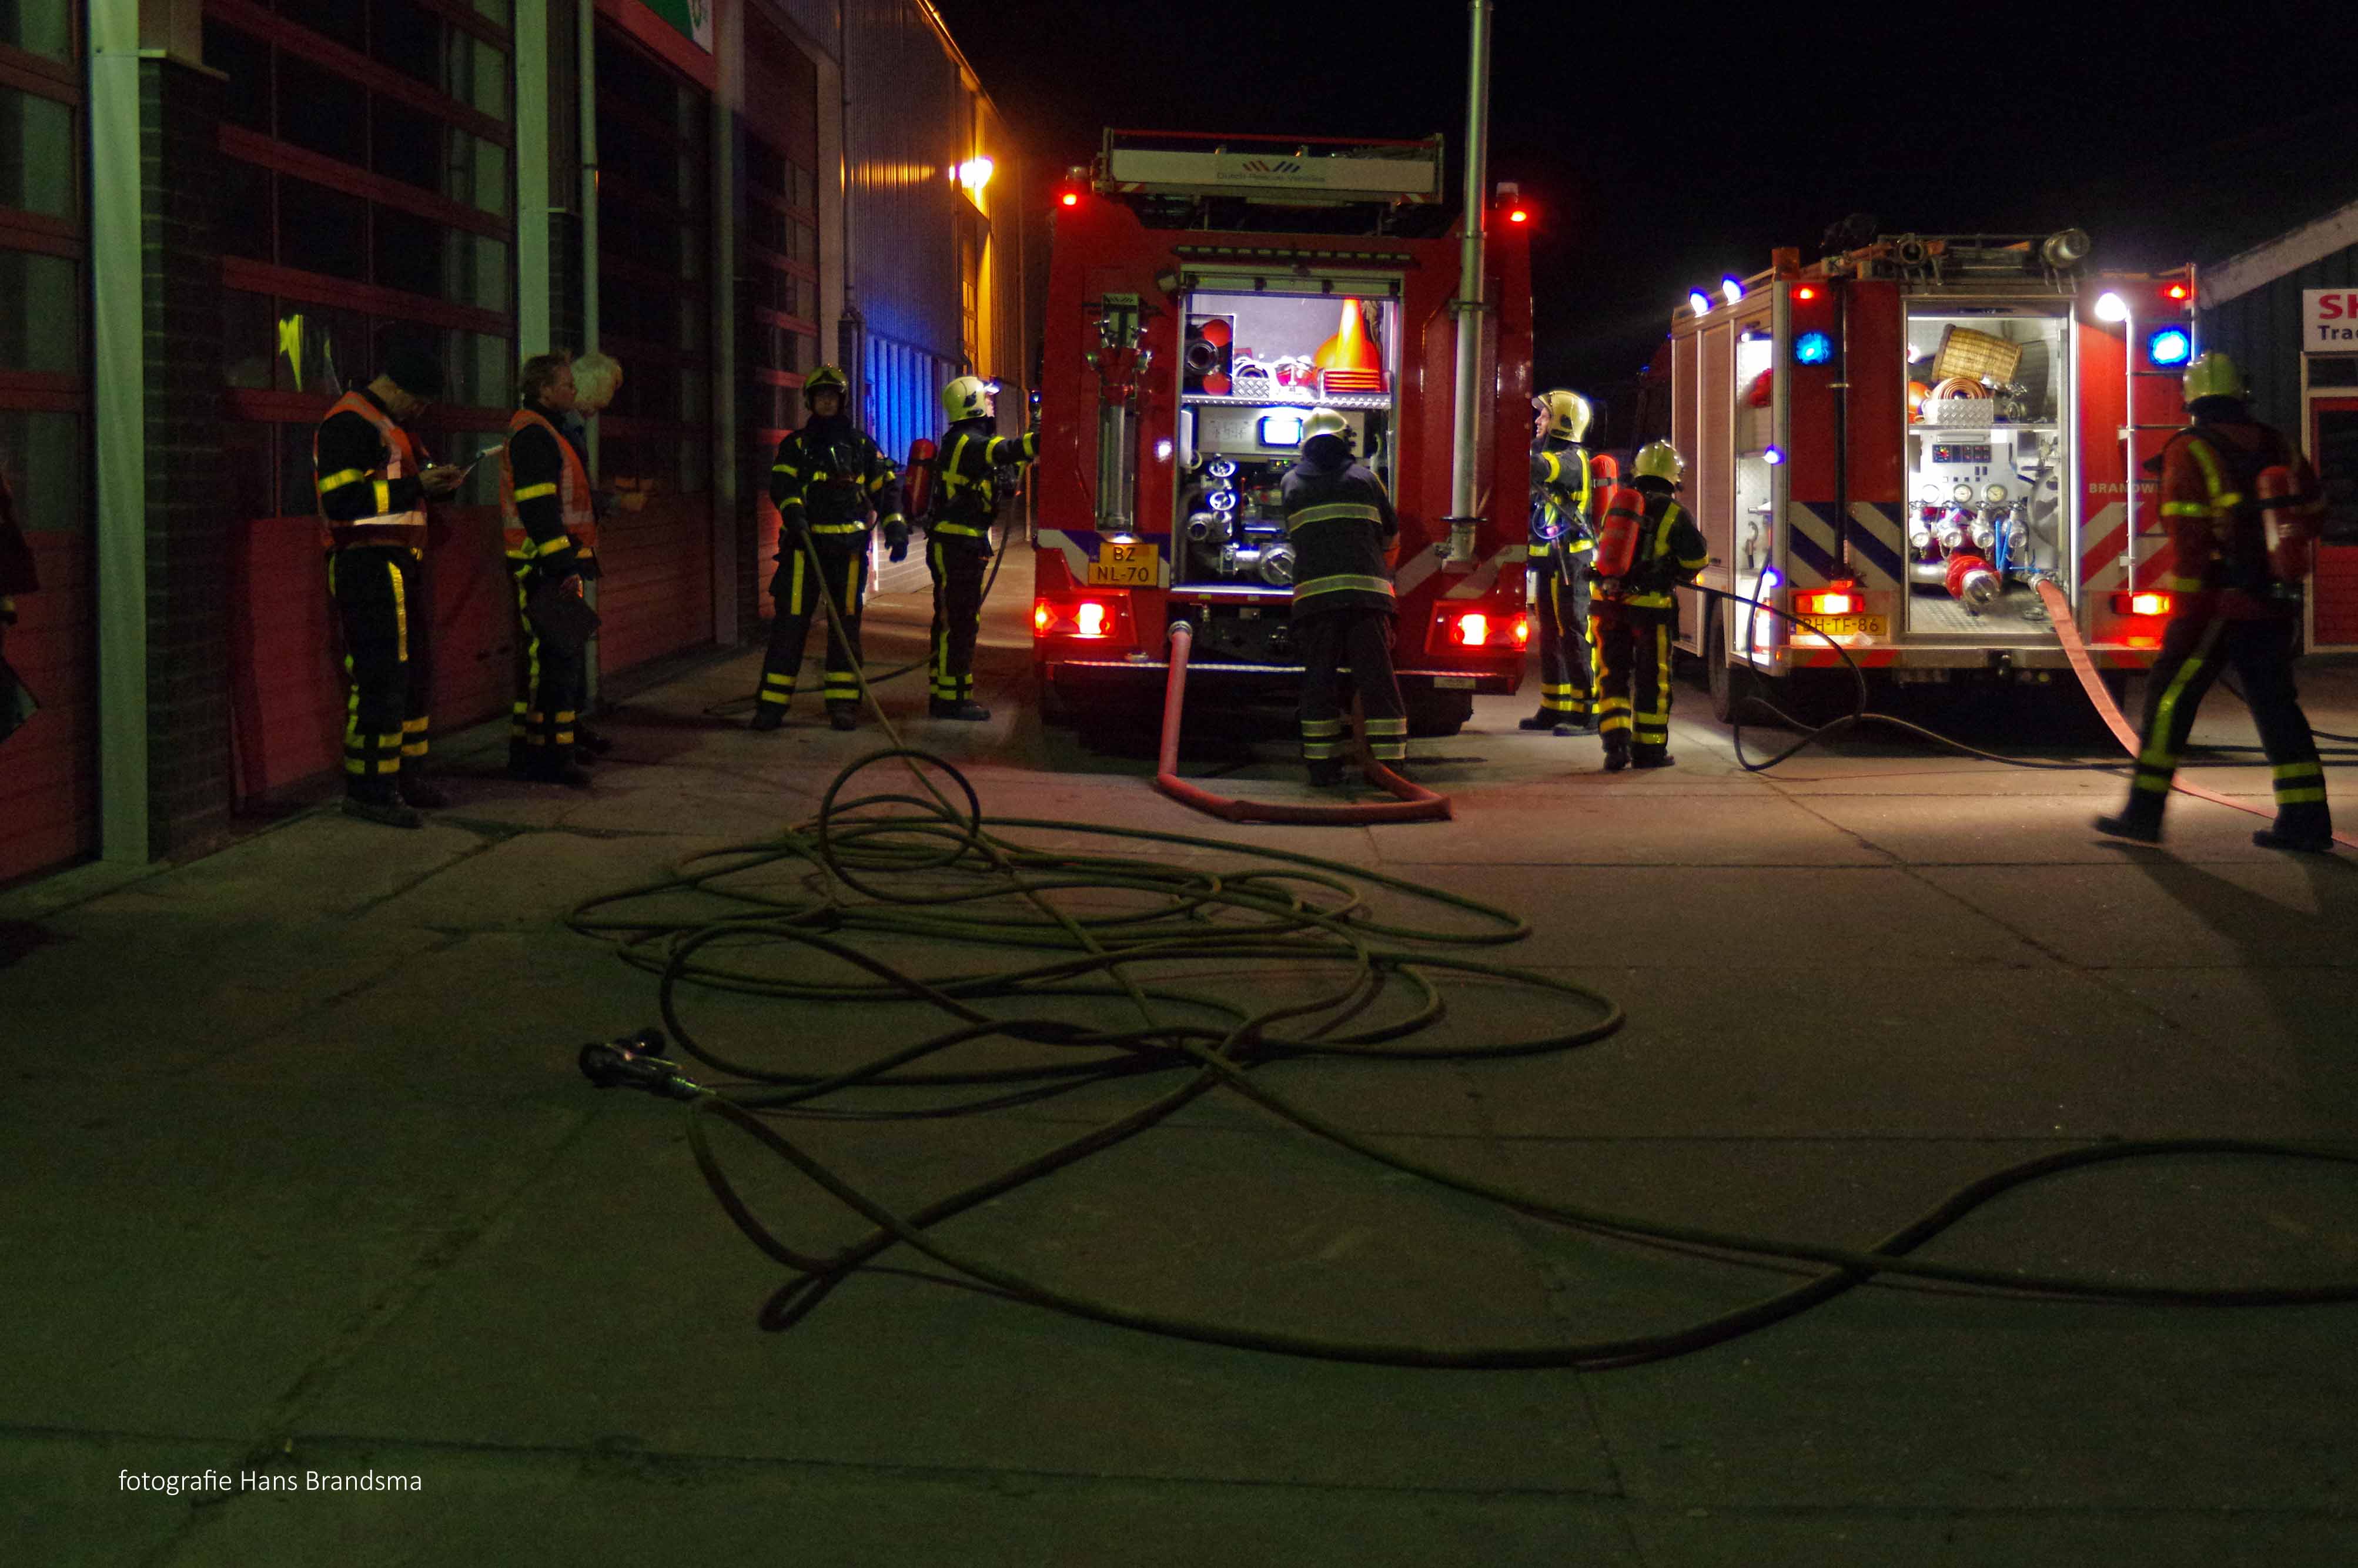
[1339,519]
[2235,600]
[372,479]
[829,479]
[545,510]
[957,538]
[1561,543]
[1647,546]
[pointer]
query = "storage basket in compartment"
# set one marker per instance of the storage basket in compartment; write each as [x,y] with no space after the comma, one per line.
[1977,356]
[1960,413]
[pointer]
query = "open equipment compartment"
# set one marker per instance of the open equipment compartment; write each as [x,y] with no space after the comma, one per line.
[1253,367]
[1987,463]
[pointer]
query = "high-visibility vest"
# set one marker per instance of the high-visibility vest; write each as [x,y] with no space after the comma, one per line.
[572,494]
[401,464]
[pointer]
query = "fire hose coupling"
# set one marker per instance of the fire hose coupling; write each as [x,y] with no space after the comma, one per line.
[637,1062]
[1170,632]
[1457,555]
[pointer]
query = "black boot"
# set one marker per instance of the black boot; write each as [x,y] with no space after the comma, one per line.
[1616,752]
[519,757]
[970,711]
[2139,822]
[2308,834]
[843,715]
[1327,772]
[416,790]
[1652,760]
[558,768]
[1543,720]
[768,716]
[592,741]
[380,803]
[1578,724]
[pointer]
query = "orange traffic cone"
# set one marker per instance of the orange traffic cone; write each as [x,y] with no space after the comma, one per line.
[1349,348]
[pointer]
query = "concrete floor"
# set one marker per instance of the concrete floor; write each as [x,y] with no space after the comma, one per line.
[304,1180]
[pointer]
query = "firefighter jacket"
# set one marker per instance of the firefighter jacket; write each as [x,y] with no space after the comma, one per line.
[544,495]
[1339,521]
[966,499]
[1669,552]
[1560,502]
[365,469]
[2209,500]
[830,475]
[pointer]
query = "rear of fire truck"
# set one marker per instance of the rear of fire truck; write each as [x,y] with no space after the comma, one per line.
[1898,444]
[1205,293]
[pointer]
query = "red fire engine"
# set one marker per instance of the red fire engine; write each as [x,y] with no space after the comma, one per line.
[1901,441]
[1204,294]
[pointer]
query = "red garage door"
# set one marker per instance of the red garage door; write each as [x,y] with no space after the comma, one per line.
[655,316]
[49,790]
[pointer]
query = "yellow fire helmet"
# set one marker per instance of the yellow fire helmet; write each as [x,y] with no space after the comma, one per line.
[1568,415]
[826,378]
[967,397]
[1660,459]
[2213,375]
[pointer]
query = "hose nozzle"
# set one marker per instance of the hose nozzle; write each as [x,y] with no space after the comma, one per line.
[635,1062]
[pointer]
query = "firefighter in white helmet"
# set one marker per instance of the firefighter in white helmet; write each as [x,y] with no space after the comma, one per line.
[1339,519]
[1637,614]
[2230,605]
[958,536]
[1560,542]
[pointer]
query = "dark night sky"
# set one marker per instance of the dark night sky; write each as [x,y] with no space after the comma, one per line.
[1662,149]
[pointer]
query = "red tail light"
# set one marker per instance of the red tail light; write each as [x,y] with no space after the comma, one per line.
[1072,199]
[1472,629]
[1523,631]
[1841,599]
[1042,616]
[1089,620]
[2144,603]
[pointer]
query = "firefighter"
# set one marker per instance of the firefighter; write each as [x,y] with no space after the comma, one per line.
[1636,616]
[2228,609]
[827,478]
[1339,519]
[545,509]
[957,539]
[1560,542]
[373,479]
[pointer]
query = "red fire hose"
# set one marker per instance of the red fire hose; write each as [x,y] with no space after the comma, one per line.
[2059,611]
[1413,804]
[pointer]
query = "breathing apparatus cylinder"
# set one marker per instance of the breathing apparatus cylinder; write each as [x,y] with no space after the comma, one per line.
[2289,538]
[918,493]
[1621,522]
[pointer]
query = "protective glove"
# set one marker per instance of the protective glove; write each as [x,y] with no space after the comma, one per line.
[896,541]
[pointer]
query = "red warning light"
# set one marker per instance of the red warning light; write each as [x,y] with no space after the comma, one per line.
[1072,199]
[2177,291]
[1806,293]
[1518,216]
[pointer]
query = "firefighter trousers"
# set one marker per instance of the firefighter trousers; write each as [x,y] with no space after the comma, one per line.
[551,680]
[1354,646]
[843,557]
[957,570]
[1567,663]
[386,616]
[1633,650]
[2194,649]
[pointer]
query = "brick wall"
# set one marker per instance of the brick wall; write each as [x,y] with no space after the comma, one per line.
[188,516]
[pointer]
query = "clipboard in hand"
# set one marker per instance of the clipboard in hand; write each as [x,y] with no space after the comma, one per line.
[561,615]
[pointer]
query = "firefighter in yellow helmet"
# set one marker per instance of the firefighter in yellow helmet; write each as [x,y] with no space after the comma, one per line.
[958,536]
[828,478]
[1637,614]
[1561,541]
[2234,602]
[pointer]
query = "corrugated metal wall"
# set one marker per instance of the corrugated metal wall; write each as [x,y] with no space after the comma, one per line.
[2262,330]
[908,120]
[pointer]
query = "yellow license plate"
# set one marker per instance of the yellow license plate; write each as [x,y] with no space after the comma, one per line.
[1126,566]
[1848,628]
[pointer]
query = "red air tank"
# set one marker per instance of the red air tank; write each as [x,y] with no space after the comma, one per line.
[2290,557]
[1620,524]
[918,486]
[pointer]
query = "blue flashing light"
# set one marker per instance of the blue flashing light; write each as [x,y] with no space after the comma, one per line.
[1813,348]
[1774,455]
[1731,290]
[1699,302]
[2170,346]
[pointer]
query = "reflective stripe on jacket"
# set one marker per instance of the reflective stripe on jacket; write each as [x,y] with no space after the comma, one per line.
[570,490]
[381,524]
